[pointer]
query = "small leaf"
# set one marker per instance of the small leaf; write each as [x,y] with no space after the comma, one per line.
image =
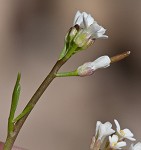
[16,93]
[14,103]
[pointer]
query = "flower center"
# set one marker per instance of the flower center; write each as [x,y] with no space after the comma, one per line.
[114,144]
[122,132]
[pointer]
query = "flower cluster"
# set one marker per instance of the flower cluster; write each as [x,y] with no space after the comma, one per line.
[106,138]
[84,32]
[89,29]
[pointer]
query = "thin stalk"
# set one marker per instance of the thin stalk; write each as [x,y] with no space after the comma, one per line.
[23,113]
[67,74]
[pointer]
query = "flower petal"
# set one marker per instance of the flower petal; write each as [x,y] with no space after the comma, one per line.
[105,63]
[131,147]
[128,132]
[95,27]
[77,15]
[131,139]
[137,146]
[114,139]
[110,139]
[96,31]
[108,124]
[85,21]
[90,20]
[84,14]
[99,35]
[79,20]
[102,62]
[102,30]
[97,126]
[103,37]
[117,125]
[121,144]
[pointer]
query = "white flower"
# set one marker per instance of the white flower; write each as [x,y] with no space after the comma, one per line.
[89,25]
[114,142]
[84,32]
[135,147]
[89,67]
[125,133]
[103,130]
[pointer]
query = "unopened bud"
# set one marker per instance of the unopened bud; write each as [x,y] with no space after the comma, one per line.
[89,68]
[101,62]
[71,33]
[85,69]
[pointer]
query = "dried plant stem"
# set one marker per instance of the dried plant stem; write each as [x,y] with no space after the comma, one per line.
[18,125]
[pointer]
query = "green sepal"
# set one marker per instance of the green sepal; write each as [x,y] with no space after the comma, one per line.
[69,44]
[64,51]
[66,47]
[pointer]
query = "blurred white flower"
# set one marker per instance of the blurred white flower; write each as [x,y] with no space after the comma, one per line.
[125,133]
[114,144]
[89,29]
[135,147]
[89,67]
[103,130]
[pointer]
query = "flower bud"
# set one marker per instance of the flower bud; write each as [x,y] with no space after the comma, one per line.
[89,67]
[71,34]
[101,62]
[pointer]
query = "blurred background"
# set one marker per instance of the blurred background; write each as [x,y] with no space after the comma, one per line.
[31,38]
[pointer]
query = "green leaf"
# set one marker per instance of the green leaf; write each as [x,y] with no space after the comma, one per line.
[14,103]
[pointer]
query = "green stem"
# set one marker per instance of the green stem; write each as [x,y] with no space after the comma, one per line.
[23,113]
[9,142]
[18,125]
[67,74]
[63,52]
